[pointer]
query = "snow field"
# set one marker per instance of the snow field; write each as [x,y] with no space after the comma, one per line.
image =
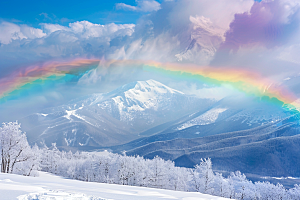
[51,187]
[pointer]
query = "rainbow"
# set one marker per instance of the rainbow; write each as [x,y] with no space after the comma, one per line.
[31,76]
[248,82]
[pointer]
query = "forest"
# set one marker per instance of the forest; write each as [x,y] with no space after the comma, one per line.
[18,157]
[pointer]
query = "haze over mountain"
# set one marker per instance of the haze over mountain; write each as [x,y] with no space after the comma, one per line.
[148,118]
[112,118]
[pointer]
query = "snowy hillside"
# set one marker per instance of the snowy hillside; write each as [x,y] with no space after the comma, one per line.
[111,118]
[48,186]
[250,113]
[231,133]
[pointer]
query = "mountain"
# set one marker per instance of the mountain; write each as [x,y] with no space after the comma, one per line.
[147,118]
[230,114]
[112,118]
[237,133]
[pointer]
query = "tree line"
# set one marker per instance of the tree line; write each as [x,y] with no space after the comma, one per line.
[18,157]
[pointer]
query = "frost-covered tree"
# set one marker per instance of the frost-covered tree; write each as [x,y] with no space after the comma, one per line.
[203,177]
[50,158]
[294,193]
[16,154]
[18,157]
[267,190]
[222,186]
[158,173]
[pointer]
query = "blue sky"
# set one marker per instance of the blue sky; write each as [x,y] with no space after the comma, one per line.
[33,12]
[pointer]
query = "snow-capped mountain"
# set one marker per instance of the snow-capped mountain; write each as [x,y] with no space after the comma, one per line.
[145,104]
[116,117]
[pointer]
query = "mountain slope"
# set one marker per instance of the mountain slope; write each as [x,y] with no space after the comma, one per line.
[110,118]
[226,115]
[269,150]
[235,135]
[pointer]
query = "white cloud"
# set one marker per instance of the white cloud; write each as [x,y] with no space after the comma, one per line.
[289,8]
[80,29]
[161,48]
[10,31]
[290,54]
[186,31]
[50,28]
[85,29]
[142,6]
[22,45]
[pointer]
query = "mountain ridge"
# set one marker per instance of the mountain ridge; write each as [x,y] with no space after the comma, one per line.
[110,118]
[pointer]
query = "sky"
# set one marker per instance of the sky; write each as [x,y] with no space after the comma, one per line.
[242,36]
[34,12]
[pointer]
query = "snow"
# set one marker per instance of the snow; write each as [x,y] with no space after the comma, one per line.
[42,114]
[57,195]
[48,186]
[69,113]
[144,95]
[131,100]
[73,112]
[208,117]
[137,99]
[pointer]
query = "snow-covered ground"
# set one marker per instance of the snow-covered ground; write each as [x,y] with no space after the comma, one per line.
[48,186]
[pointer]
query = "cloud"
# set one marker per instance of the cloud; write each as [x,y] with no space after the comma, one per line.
[269,23]
[180,31]
[82,29]
[203,32]
[87,29]
[263,37]
[10,32]
[184,31]
[291,54]
[161,48]
[50,28]
[142,6]
[176,14]
[24,45]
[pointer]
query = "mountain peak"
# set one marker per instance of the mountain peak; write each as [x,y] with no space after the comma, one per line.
[144,87]
[154,85]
